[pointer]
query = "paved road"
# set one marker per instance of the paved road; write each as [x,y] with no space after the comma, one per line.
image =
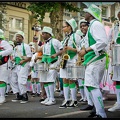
[33,109]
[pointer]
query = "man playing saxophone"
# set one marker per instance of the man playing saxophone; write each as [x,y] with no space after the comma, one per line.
[70,53]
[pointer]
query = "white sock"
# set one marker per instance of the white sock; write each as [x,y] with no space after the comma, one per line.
[98,102]
[2,91]
[81,92]
[38,87]
[33,87]
[47,91]
[51,91]
[8,88]
[118,95]
[28,86]
[66,93]
[73,94]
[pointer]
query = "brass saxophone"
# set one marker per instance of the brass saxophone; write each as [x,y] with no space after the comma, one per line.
[65,56]
[80,59]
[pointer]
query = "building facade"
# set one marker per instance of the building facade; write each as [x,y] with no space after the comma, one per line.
[20,19]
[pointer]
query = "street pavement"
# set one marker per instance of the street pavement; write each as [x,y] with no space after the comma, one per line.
[33,109]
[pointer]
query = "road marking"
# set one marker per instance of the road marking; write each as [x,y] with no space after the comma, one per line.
[70,113]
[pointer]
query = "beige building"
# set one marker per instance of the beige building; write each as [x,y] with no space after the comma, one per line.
[20,19]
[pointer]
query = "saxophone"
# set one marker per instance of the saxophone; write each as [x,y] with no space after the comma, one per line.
[65,56]
[80,59]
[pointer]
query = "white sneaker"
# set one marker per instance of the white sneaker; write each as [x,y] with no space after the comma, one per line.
[115,107]
[50,102]
[46,100]
[2,99]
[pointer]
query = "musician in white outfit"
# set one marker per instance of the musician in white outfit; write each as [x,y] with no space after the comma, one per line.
[22,56]
[51,49]
[115,36]
[34,74]
[94,57]
[70,44]
[5,50]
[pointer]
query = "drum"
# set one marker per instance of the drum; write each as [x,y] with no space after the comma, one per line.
[115,61]
[41,67]
[75,72]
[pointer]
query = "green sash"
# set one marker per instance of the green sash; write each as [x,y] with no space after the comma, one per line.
[47,58]
[18,59]
[91,54]
[70,52]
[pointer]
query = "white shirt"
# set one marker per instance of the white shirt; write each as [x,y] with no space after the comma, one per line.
[70,41]
[97,31]
[47,46]
[18,50]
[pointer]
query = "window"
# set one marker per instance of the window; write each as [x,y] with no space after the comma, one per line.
[18,24]
[15,23]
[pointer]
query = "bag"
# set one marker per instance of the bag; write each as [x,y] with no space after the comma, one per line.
[4,59]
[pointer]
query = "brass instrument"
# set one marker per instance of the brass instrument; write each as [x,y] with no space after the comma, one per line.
[80,59]
[65,56]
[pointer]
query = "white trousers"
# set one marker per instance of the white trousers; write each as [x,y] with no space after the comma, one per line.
[19,79]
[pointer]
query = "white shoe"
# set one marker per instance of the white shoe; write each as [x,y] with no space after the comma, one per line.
[115,107]
[50,102]
[46,100]
[2,99]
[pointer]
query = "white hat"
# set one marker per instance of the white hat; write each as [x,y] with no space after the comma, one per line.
[79,32]
[94,10]
[83,20]
[2,34]
[20,33]
[72,23]
[47,30]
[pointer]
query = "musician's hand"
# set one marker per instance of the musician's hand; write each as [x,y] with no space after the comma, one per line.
[54,55]
[65,48]
[21,62]
[82,52]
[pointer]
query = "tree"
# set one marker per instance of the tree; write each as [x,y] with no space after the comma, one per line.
[3,21]
[56,10]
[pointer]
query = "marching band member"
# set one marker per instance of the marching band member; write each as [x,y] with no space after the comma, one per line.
[94,57]
[69,85]
[5,50]
[83,24]
[22,56]
[51,49]
[34,75]
[116,69]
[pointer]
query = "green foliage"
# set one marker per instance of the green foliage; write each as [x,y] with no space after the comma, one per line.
[40,8]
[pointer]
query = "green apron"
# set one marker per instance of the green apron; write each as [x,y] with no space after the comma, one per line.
[18,59]
[91,54]
[70,52]
[47,58]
